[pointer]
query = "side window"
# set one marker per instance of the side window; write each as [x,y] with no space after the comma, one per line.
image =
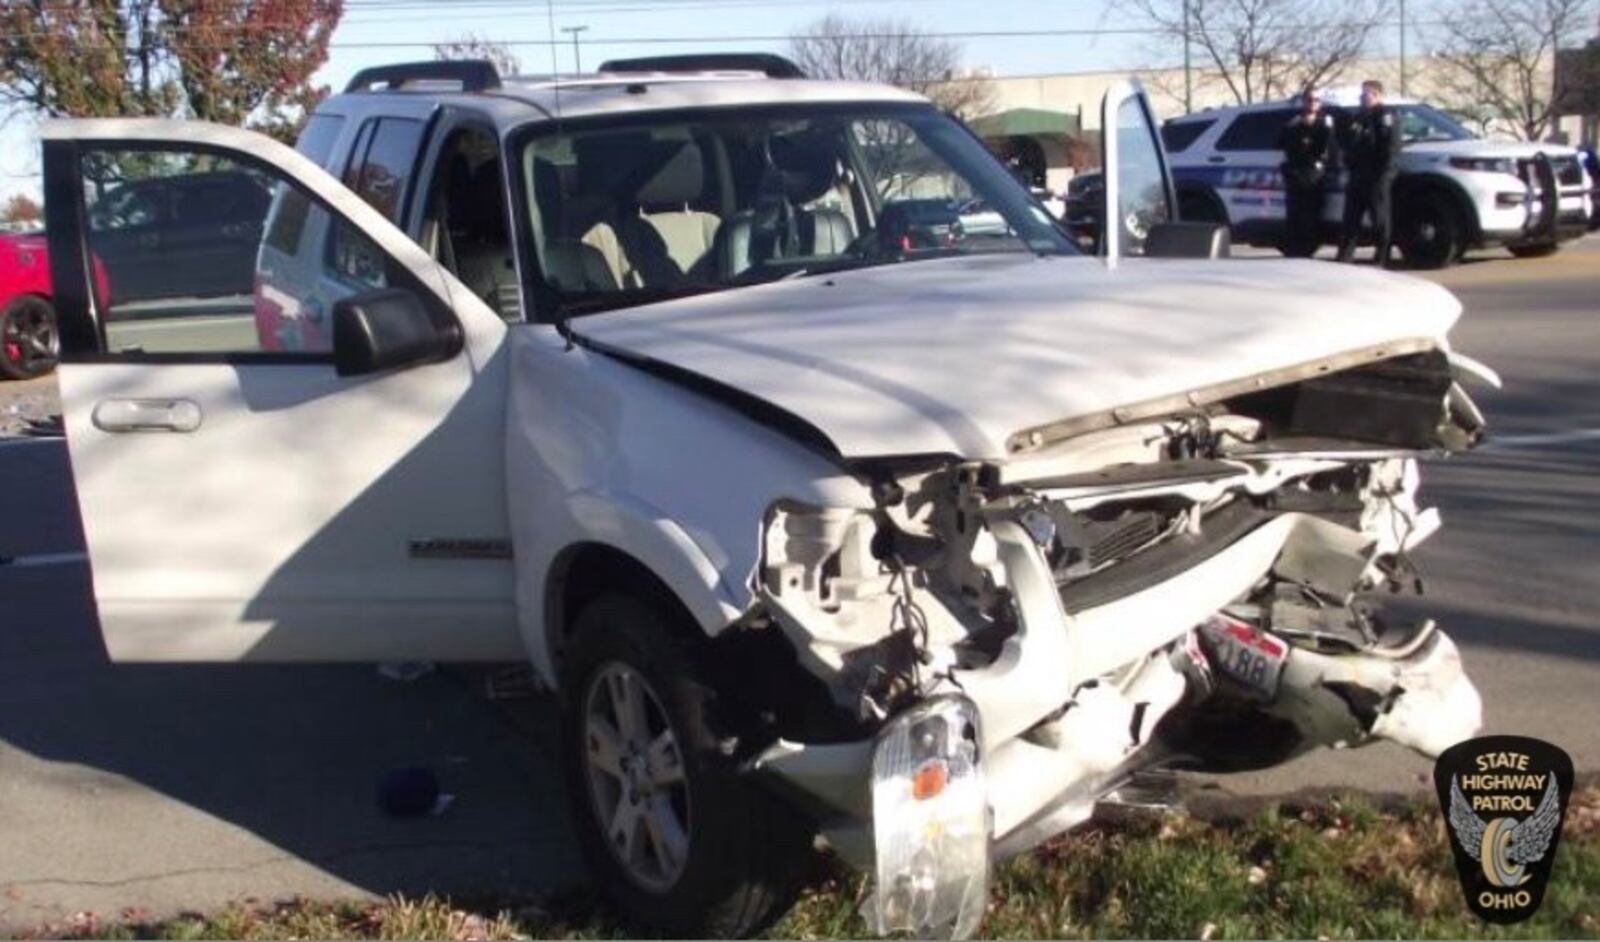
[287,222]
[202,278]
[379,173]
[465,226]
[1142,200]
[1178,136]
[385,169]
[1255,130]
[128,207]
[318,137]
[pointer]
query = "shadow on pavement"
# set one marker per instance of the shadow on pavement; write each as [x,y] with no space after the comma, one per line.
[291,755]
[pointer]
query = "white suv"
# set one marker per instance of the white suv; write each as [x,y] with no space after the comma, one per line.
[1455,191]
[818,513]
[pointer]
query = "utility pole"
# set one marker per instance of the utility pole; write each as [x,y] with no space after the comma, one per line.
[1402,48]
[1188,75]
[577,62]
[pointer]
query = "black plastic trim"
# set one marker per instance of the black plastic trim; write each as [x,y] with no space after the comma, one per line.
[237,358]
[773,66]
[475,75]
[77,314]
[1156,565]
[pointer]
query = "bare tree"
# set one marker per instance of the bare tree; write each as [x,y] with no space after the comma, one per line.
[1498,57]
[893,52]
[1265,49]
[473,46]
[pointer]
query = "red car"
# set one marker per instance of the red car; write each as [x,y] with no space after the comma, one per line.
[28,342]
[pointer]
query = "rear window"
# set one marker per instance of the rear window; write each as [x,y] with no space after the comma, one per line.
[317,138]
[1177,136]
[1255,130]
[288,221]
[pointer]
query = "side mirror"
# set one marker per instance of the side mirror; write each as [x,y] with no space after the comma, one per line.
[389,328]
[1188,240]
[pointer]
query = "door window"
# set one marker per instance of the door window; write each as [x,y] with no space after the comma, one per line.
[1142,200]
[1255,130]
[1178,135]
[382,175]
[195,253]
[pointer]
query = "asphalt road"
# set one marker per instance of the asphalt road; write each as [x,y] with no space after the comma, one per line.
[162,789]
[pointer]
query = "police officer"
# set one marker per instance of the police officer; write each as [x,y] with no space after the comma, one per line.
[1371,149]
[1307,142]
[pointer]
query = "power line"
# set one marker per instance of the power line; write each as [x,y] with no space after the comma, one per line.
[784,37]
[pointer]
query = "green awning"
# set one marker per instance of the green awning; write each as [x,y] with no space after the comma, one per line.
[1031,122]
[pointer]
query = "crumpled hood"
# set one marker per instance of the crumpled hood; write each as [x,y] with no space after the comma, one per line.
[955,355]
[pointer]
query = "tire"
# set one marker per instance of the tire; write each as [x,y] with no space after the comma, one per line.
[1430,233]
[1536,250]
[29,341]
[1195,206]
[744,852]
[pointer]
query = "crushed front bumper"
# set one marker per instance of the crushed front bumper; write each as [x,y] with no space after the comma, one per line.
[1056,736]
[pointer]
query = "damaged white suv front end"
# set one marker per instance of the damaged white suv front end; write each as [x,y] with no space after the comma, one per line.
[1202,587]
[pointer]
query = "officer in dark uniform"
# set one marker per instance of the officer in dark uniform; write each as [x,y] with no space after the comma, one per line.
[1371,149]
[1307,142]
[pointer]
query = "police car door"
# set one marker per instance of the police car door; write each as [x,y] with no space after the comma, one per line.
[1138,181]
[335,498]
[1245,169]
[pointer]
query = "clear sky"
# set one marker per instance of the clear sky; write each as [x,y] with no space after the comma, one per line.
[1022,37]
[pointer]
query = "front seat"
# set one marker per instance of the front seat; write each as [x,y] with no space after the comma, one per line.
[674,232]
[481,240]
[804,168]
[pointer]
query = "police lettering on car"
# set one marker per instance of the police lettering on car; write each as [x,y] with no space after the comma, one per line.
[1307,142]
[1371,150]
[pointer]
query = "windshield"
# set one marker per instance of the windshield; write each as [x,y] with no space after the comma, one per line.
[667,205]
[1422,123]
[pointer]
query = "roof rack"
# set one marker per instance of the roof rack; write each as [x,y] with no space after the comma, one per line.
[474,75]
[765,62]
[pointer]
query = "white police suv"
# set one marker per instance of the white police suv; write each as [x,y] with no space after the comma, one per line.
[1455,192]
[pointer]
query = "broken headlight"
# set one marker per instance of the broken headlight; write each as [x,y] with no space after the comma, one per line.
[930,821]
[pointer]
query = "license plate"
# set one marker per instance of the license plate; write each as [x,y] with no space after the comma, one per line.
[1248,656]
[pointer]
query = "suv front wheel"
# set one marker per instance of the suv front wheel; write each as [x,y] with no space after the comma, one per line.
[1431,233]
[678,839]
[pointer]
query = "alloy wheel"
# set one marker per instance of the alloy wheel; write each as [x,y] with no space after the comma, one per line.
[28,338]
[637,784]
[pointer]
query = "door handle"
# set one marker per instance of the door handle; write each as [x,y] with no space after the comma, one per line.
[146,415]
[1216,159]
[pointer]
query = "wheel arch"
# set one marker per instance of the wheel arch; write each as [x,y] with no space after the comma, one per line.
[1415,186]
[1203,191]
[585,570]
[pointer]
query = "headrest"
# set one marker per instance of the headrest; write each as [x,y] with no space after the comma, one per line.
[808,162]
[609,164]
[680,180]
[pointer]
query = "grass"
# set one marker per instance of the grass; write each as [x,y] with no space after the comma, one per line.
[1332,869]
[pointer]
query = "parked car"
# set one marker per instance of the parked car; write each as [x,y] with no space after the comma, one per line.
[173,236]
[814,525]
[1455,191]
[1086,207]
[28,343]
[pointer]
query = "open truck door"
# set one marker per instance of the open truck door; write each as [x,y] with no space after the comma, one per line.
[1141,203]
[251,490]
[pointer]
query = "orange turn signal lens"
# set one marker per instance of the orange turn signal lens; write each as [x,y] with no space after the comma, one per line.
[930,779]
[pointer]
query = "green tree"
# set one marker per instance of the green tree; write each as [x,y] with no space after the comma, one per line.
[244,62]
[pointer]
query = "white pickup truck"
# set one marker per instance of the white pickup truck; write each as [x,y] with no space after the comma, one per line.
[818,519]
